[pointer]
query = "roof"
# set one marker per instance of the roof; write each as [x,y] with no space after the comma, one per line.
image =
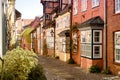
[66,9]
[95,21]
[64,33]
[18,14]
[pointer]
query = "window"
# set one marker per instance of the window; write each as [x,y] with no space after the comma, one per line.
[84,5]
[47,16]
[86,43]
[86,46]
[86,50]
[117,6]
[75,42]
[86,36]
[97,36]
[95,3]
[117,47]
[97,51]
[47,4]
[65,44]
[75,7]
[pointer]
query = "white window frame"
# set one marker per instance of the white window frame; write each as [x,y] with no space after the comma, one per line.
[84,5]
[117,45]
[75,7]
[87,35]
[100,52]
[100,37]
[117,6]
[85,50]
[95,3]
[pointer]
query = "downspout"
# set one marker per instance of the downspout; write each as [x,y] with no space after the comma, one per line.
[105,35]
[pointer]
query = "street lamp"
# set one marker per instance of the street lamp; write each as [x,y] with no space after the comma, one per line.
[53,35]
[52,32]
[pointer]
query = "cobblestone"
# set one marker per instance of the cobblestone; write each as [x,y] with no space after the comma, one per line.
[59,70]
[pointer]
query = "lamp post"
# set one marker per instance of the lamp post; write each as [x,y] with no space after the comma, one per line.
[53,35]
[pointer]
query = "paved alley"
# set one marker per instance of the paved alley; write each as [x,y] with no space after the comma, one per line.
[58,70]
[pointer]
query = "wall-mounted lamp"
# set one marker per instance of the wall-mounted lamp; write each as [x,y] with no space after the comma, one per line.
[52,32]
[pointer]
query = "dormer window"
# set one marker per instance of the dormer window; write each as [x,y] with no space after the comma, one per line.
[47,16]
[47,4]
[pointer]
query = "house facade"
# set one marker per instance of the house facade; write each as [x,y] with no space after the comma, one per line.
[89,15]
[113,36]
[62,41]
[52,8]
[3,29]
[48,27]
[20,26]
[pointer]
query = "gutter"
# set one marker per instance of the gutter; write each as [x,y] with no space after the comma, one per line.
[105,35]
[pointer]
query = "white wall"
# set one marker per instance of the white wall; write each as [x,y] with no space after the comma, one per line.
[1,49]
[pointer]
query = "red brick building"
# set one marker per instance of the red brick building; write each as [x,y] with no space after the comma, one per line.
[113,35]
[89,14]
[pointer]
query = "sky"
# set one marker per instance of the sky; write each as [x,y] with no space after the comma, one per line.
[29,8]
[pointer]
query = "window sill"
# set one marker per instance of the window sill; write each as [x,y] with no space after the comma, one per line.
[84,10]
[116,14]
[117,63]
[95,6]
[91,58]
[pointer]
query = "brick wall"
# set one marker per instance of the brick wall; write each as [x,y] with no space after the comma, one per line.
[113,24]
[80,17]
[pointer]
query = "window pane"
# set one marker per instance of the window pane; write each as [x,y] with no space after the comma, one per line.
[118,54]
[95,3]
[75,7]
[84,5]
[117,6]
[97,36]
[86,36]
[97,51]
[86,50]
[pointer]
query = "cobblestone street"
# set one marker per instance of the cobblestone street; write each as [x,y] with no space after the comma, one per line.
[58,70]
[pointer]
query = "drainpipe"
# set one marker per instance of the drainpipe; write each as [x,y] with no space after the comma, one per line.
[105,35]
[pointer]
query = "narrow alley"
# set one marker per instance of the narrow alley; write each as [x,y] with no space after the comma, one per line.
[58,70]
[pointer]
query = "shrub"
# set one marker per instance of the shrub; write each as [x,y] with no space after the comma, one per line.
[37,73]
[94,69]
[17,64]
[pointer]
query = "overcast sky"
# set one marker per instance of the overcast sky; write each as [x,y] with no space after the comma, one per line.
[29,8]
